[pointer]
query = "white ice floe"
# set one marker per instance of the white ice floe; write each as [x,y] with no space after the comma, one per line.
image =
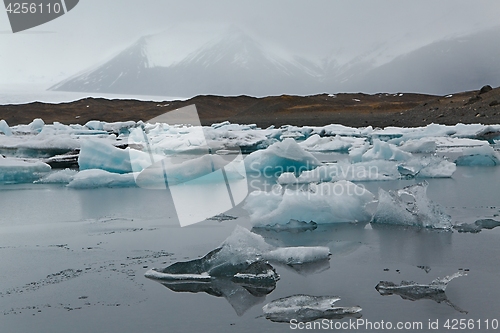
[58,177]
[16,170]
[336,143]
[363,171]
[410,206]
[341,201]
[385,151]
[285,156]
[427,167]
[419,146]
[483,155]
[95,178]
[99,154]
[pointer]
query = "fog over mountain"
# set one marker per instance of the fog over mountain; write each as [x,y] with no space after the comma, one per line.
[232,62]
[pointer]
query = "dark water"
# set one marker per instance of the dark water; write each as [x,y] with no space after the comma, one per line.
[73,261]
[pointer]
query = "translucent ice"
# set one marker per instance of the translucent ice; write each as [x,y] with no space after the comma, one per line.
[100,154]
[410,206]
[326,144]
[427,167]
[60,176]
[95,178]
[4,128]
[305,308]
[414,291]
[483,155]
[341,201]
[385,151]
[285,156]
[16,170]
[419,146]
[235,257]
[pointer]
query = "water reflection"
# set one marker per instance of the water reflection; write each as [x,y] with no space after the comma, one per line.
[241,296]
[413,291]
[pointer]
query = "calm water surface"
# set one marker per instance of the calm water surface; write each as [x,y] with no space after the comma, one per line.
[73,261]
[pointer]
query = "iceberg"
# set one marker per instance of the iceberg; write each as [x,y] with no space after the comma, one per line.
[410,206]
[235,258]
[16,170]
[96,154]
[362,171]
[419,146]
[305,308]
[483,155]
[385,151]
[285,156]
[414,291]
[4,128]
[330,144]
[341,201]
[427,167]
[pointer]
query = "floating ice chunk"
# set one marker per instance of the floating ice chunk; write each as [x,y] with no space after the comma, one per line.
[16,170]
[298,255]
[99,154]
[242,291]
[58,177]
[419,146]
[95,178]
[427,167]
[4,128]
[235,257]
[385,151]
[305,308]
[36,125]
[356,153]
[341,201]
[414,291]
[95,125]
[285,156]
[120,127]
[484,155]
[326,144]
[410,206]
[477,226]
[287,178]
[363,171]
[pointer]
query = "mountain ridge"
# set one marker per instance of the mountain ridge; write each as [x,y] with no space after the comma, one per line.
[234,64]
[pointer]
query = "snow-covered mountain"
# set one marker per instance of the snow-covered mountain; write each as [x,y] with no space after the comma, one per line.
[233,63]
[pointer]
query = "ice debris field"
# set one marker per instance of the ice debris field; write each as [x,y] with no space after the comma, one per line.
[317,173]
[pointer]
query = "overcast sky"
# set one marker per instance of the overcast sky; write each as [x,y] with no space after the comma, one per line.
[95,30]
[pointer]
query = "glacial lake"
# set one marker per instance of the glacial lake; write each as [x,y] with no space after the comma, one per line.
[74,261]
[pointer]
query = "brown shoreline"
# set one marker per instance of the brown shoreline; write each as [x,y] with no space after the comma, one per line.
[356,110]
